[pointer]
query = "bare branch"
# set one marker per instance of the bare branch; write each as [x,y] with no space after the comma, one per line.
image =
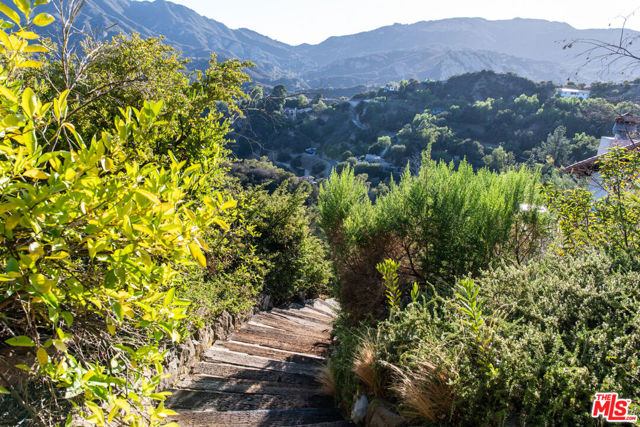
[608,54]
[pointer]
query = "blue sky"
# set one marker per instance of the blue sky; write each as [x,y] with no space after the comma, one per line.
[312,21]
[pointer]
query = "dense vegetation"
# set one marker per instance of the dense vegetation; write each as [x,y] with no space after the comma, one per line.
[438,225]
[503,338]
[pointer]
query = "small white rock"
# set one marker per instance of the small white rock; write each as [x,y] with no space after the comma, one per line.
[359,412]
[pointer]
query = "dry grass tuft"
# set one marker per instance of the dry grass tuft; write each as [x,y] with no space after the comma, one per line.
[327,380]
[424,391]
[364,363]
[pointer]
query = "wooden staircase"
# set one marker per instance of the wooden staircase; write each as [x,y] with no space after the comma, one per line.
[266,374]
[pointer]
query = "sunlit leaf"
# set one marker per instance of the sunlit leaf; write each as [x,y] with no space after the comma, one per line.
[29,102]
[30,64]
[43,357]
[222,224]
[43,19]
[168,297]
[36,174]
[41,283]
[150,196]
[8,94]
[23,5]
[10,13]
[29,35]
[197,254]
[35,48]
[20,341]
[229,205]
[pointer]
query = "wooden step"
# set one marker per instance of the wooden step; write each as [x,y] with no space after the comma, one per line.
[272,353]
[266,374]
[290,336]
[323,417]
[224,370]
[320,320]
[223,355]
[323,307]
[331,302]
[207,383]
[282,340]
[224,401]
[312,311]
[279,322]
[300,319]
[327,424]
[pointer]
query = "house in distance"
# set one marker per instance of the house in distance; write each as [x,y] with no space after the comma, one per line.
[569,92]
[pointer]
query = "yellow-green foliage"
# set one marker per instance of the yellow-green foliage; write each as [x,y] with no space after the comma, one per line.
[388,270]
[92,244]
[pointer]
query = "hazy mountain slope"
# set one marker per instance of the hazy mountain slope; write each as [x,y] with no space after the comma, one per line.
[195,35]
[428,49]
[431,63]
[533,39]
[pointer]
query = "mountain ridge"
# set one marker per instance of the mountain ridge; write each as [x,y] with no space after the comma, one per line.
[428,49]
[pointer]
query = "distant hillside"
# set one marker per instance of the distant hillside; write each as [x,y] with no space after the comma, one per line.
[434,64]
[429,49]
[196,36]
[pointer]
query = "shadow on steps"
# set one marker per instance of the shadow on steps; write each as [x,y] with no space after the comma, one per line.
[267,374]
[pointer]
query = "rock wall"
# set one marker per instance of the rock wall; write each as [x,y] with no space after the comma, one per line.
[182,357]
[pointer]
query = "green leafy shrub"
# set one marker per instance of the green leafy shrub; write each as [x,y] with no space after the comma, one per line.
[373,170]
[296,260]
[381,144]
[235,271]
[89,239]
[611,222]
[397,153]
[346,155]
[130,70]
[339,195]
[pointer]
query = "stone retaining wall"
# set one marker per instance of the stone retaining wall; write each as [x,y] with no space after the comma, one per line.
[184,356]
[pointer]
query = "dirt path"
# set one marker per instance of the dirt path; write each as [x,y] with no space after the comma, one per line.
[266,374]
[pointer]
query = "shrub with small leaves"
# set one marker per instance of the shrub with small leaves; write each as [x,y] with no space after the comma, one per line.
[528,344]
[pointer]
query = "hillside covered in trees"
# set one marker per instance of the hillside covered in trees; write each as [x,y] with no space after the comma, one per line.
[494,120]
